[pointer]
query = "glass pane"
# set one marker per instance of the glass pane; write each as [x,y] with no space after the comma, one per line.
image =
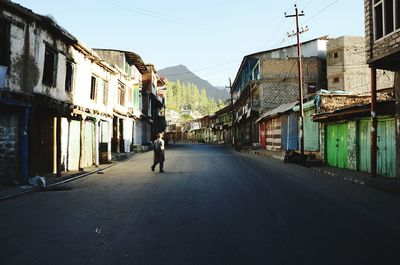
[378,22]
[388,16]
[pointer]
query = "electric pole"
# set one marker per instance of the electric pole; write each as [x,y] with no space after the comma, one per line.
[300,72]
[232,112]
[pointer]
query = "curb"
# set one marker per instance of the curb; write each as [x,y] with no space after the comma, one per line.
[353,180]
[33,189]
[380,184]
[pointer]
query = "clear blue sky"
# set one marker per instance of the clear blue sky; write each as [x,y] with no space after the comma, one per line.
[210,37]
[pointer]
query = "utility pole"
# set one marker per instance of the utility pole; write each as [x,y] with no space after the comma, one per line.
[300,72]
[232,111]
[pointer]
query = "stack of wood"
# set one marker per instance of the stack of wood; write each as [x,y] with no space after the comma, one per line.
[332,102]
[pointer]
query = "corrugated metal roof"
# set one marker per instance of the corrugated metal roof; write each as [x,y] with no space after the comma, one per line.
[281,109]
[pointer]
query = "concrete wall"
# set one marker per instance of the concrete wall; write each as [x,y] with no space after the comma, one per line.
[349,71]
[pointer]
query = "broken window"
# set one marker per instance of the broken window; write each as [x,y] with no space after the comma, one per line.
[50,67]
[93,87]
[121,94]
[69,76]
[4,43]
[386,17]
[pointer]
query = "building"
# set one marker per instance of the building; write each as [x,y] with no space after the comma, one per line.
[127,112]
[382,30]
[153,104]
[347,68]
[223,125]
[267,79]
[64,107]
[346,131]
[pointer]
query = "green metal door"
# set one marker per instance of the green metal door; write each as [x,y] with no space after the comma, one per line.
[311,132]
[386,151]
[337,145]
[331,136]
[364,140]
[342,145]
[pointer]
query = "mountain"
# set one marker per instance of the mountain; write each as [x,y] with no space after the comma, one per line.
[184,75]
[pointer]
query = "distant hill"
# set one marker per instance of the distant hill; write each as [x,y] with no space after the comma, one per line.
[182,73]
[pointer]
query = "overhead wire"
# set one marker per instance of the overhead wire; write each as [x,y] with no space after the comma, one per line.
[320,11]
[142,11]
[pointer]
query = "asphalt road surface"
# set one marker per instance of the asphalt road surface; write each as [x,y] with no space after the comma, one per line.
[212,206]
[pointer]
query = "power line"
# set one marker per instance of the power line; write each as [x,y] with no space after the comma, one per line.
[141,11]
[309,3]
[320,11]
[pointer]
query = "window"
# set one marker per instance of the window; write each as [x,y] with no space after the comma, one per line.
[50,67]
[335,55]
[312,88]
[93,88]
[136,96]
[386,17]
[69,76]
[121,94]
[105,93]
[130,96]
[336,80]
[4,43]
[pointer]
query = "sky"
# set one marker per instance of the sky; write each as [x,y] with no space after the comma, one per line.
[210,37]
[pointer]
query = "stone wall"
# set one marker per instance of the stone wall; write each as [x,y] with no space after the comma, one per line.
[9,156]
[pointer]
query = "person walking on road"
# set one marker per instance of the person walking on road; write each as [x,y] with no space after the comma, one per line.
[159,152]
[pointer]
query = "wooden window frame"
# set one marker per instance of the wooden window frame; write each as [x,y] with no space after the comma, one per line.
[121,93]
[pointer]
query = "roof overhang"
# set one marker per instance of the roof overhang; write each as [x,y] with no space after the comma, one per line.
[387,62]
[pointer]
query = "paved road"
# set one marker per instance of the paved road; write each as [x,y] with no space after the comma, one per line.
[212,206]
